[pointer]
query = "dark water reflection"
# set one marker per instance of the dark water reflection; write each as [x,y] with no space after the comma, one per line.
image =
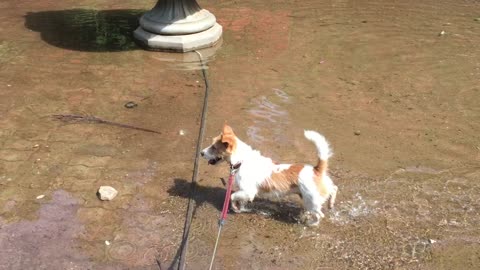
[87,29]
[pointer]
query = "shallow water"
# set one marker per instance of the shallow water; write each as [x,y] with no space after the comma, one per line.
[397,99]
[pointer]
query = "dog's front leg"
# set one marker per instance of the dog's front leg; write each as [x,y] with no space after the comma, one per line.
[240,199]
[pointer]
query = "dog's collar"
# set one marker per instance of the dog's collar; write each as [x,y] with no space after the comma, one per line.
[235,167]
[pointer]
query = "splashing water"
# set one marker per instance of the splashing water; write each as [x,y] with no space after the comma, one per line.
[346,211]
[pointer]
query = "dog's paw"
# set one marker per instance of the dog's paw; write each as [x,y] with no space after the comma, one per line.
[235,207]
[239,207]
[304,217]
[311,219]
[312,223]
[245,210]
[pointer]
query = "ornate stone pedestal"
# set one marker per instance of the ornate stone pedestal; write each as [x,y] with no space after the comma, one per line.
[178,25]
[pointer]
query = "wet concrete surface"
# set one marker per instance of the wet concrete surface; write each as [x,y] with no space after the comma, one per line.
[397,100]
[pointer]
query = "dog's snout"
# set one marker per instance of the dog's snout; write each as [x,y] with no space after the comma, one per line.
[202,153]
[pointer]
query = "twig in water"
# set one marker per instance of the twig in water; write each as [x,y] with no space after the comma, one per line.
[73,118]
[159,264]
[223,181]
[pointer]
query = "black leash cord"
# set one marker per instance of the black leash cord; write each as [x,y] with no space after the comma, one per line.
[191,201]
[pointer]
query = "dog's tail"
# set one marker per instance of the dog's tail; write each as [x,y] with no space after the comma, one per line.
[323,150]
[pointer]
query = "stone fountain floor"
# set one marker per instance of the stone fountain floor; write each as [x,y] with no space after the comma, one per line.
[397,101]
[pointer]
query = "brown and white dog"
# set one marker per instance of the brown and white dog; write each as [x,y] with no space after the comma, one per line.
[260,175]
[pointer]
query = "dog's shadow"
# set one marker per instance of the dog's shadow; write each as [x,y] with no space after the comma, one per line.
[283,211]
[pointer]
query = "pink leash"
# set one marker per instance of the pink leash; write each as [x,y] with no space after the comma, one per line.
[226,204]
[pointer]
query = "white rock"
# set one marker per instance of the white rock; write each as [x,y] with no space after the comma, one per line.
[181,132]
[40,197]
[107,193]
[107,242]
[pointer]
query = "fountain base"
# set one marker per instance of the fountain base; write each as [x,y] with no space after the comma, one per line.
[179,43]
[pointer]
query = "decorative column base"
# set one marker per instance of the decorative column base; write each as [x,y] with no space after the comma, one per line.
[178,25]
[179,43]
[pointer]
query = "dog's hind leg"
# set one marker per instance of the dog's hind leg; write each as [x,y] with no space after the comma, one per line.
[313,208]
[333,196]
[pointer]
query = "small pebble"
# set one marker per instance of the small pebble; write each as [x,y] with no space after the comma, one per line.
[9,85]
[432,241]
[40,197]
[107,193]
[357,132]
[36,146]
[442,33]
[107,242]
[130,105]
[181,132]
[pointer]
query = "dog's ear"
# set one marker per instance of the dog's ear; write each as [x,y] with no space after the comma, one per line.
[227,130]
[228,138]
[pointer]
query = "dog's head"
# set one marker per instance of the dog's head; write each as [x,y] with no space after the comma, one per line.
[222,147]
